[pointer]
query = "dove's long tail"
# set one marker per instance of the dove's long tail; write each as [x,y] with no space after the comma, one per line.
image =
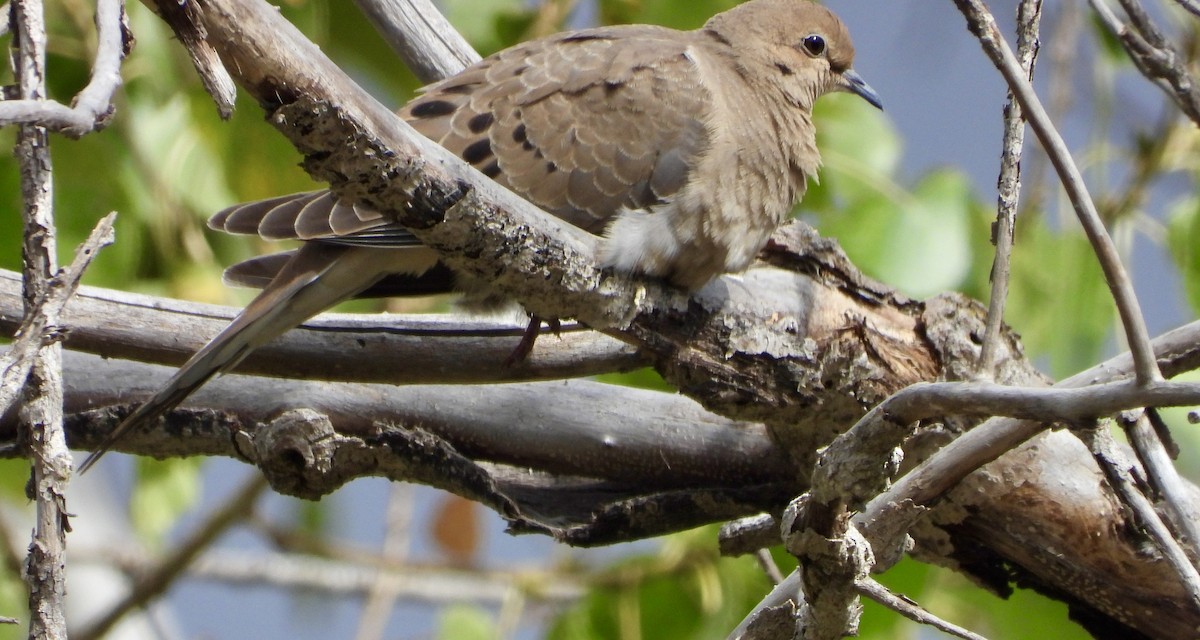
[317,277]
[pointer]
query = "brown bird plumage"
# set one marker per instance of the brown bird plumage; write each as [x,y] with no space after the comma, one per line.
[685,150]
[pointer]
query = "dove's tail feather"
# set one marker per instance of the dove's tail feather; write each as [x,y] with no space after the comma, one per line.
[319,276]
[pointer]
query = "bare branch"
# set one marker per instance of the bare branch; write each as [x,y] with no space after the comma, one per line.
[1118,471]
[788,594]
[911,610]
[983,25]
[404,349]
[642,438]
[531,274]
[859,463]
[1190,5]
[1163,478]
[834,558]
[41,414]
[789,590]
[1029,15]
[421,36]
[336,577]
[1179,350]
[18,360]
[1153,54]
[184,20]
[93,107]
[156,579]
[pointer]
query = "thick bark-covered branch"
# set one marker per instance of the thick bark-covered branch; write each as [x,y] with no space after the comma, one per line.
[586,462]
[397,349]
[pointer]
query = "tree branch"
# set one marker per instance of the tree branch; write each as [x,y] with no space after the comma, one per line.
[41,415]
[1008,184]
[427,43]
[983,25]
[1153,54]
[397,349]
[158,577]
[92,108]
[31,334]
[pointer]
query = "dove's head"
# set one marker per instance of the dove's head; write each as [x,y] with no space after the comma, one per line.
[797,45]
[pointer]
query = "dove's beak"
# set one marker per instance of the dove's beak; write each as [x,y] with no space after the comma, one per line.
[853,83]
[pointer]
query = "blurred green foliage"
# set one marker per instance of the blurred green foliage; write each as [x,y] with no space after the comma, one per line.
[167,162]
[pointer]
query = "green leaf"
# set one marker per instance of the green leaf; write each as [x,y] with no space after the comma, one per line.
[1058,300]
[668,13]
[856,140]
[1110,47]
[685,591]
[172,149]
[918,242]
[644,378]
[466,622]
[165,490]
[1183,239]
[482,23]
[950,596]
[1187,435]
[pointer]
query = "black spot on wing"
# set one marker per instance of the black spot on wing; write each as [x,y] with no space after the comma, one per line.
[586,37]
[432,109]
[480,122]
[477,151]
[466,87]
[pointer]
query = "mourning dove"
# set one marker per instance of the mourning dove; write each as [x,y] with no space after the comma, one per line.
[683,150]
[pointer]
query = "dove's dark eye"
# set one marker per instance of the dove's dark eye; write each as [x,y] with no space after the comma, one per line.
[814,45]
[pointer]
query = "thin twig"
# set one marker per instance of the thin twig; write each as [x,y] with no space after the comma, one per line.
[156,579]
[748,535]
[92,108]
[1046,404]
[356,577]
[1063,44]
[45,568]
[1153,54]
[421,36]
[790,589]
[1118,472]
[184,19]
[1029,15]
[407,348]
[768,565]
[981,399]
[1190,5]
[923,485]
[18,360]
[911,610]
[382,596]
[983,25]
[1164,478]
